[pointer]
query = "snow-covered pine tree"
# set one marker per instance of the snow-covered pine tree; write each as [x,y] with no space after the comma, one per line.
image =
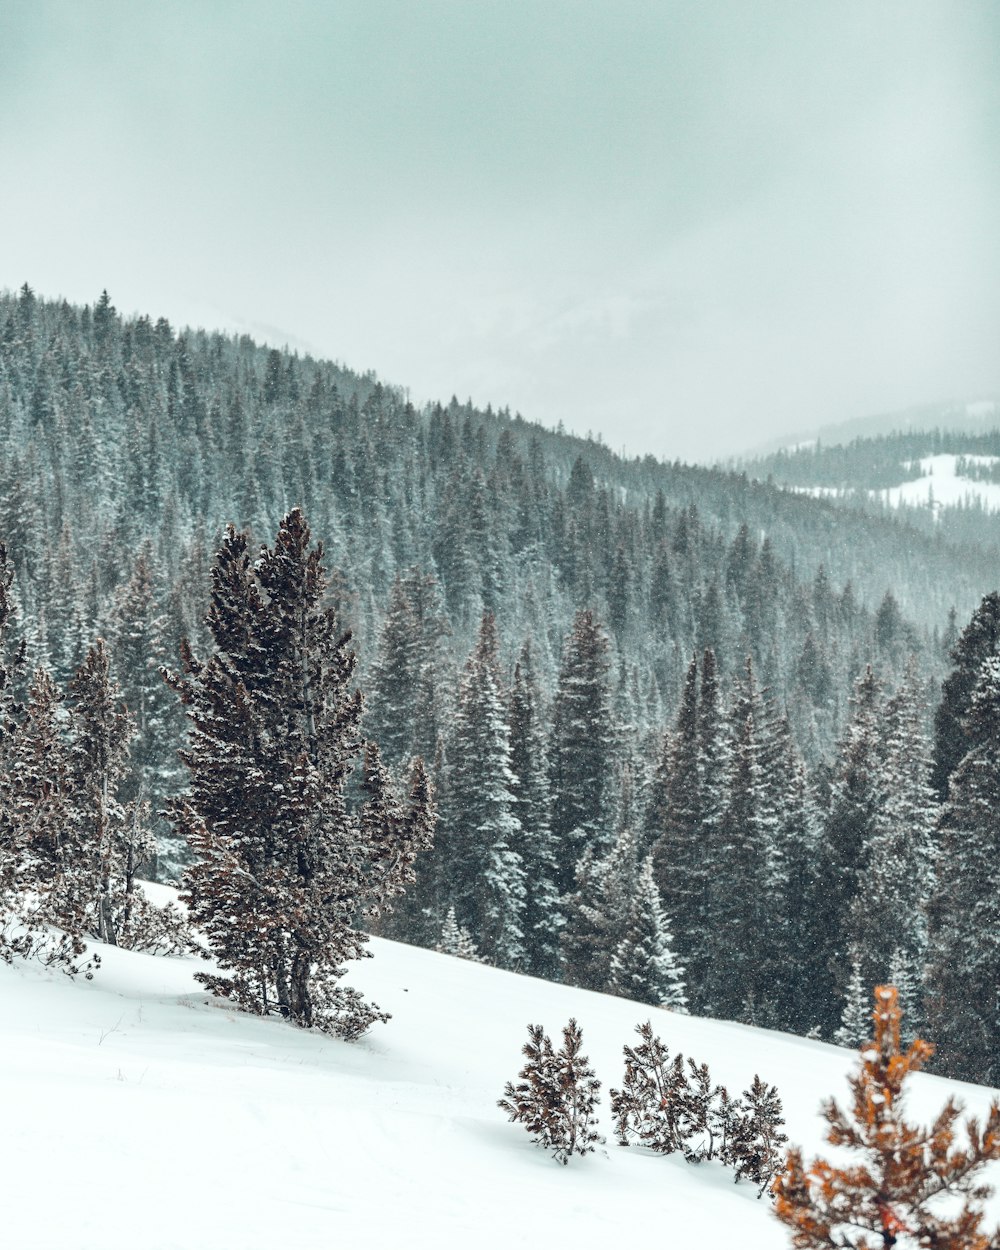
[282,868]
[698,1123]
[963,975]
[457,940]
[114,843]
[798,979]
[52,882]
[978,640]
[597,913]
[743,883]
[755,1139]
[557,1095]
[137,633]
[581,747]
[893,1194]
[644,967]
[391,703]
[856,817]
[650,1106]
[476,864]
[679,863]
[888,917]
[542,918]
[855,1017]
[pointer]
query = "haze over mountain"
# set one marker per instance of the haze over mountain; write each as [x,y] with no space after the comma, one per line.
[686,227]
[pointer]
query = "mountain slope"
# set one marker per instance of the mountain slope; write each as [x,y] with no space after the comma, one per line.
[139,1112]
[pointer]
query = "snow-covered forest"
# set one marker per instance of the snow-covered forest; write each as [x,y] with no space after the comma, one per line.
[637,727]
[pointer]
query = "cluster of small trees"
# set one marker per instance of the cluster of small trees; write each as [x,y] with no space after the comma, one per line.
[71,848]
[663,1105]
[669,1105]
[893,1182]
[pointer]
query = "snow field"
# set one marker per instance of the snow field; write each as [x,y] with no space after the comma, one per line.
[141,1114]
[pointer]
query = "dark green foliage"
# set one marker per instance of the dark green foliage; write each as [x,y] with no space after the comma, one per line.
[952,736]
[581,746]
[282,869]
[963,980]
[541,919]
[477,866]
[644,967]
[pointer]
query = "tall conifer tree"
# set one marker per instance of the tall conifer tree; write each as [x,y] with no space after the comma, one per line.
[582,747]
[282,868]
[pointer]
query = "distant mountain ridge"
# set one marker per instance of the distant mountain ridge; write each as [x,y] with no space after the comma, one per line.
[958,416]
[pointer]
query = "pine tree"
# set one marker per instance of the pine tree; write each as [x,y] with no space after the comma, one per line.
[649,1108]
[679,863]
[49,892]
[557,1095]
[888,919]
[856,818]
[979,639]
[644,967]
[113,842]
[755,1139]
[963,975]
[743,884]
[477,865]
[137,632]
[282,868]
[855,1019]
[542,917]
[457,940]
[581,747]
[892,1194]
[597,913]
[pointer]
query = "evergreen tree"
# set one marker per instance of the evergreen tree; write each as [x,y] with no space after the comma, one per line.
[893,1194]
[581,747]
[855,1020]
[755,1139]
[650,1106]
[137,632]
[542,918]
[680,864]
[963,976]
[557,1095]
[979,639]
[477,864]
[457,940]
[644,967]
[856,818]
[282,868]
[888,917]
[743,882]
[113,843]
[597,913]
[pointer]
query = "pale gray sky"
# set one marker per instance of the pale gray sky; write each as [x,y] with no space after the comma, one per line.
[689,226]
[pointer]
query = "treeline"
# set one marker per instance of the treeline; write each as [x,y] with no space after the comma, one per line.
[529,613]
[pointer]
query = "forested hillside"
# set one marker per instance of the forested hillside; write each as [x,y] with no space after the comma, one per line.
[676,720]
[865,472]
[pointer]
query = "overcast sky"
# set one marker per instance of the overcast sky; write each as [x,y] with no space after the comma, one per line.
[689,226]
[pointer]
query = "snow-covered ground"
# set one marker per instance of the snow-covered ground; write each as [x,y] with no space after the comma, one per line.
[140,1114]
[939,486]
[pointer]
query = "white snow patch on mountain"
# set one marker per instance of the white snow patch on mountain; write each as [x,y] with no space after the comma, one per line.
[940,485]
[139,1112]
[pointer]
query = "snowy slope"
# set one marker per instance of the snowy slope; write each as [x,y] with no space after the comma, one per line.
[939,486]
[139,1114]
